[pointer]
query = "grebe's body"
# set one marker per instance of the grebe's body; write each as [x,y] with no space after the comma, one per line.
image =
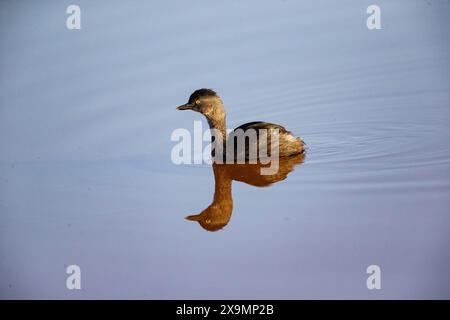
[208,103]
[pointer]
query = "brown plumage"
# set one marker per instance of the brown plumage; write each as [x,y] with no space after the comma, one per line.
[208,103]
[218,213]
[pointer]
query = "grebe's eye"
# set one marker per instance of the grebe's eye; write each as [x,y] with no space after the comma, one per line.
[197,102]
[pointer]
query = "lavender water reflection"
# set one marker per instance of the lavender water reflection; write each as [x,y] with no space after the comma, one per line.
[218,214]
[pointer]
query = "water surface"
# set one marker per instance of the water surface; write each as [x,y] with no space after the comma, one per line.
[86,175]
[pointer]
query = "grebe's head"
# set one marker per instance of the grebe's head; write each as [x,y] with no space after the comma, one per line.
[215,217]
[205,101]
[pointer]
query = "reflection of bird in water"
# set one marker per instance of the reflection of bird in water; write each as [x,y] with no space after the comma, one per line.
[218,213]
[290,153]
[208,103]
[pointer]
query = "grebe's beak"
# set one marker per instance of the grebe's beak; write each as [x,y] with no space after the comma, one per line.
[187,106]
[194,217]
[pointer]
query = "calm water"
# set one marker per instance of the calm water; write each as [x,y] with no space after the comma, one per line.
[85,170]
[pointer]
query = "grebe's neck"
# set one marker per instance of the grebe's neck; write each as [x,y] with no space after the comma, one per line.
[216,117]
[219,124]
[222,190]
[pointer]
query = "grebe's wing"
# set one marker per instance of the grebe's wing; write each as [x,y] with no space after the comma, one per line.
[256,125]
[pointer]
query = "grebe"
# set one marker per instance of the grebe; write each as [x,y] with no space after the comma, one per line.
[208,103]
